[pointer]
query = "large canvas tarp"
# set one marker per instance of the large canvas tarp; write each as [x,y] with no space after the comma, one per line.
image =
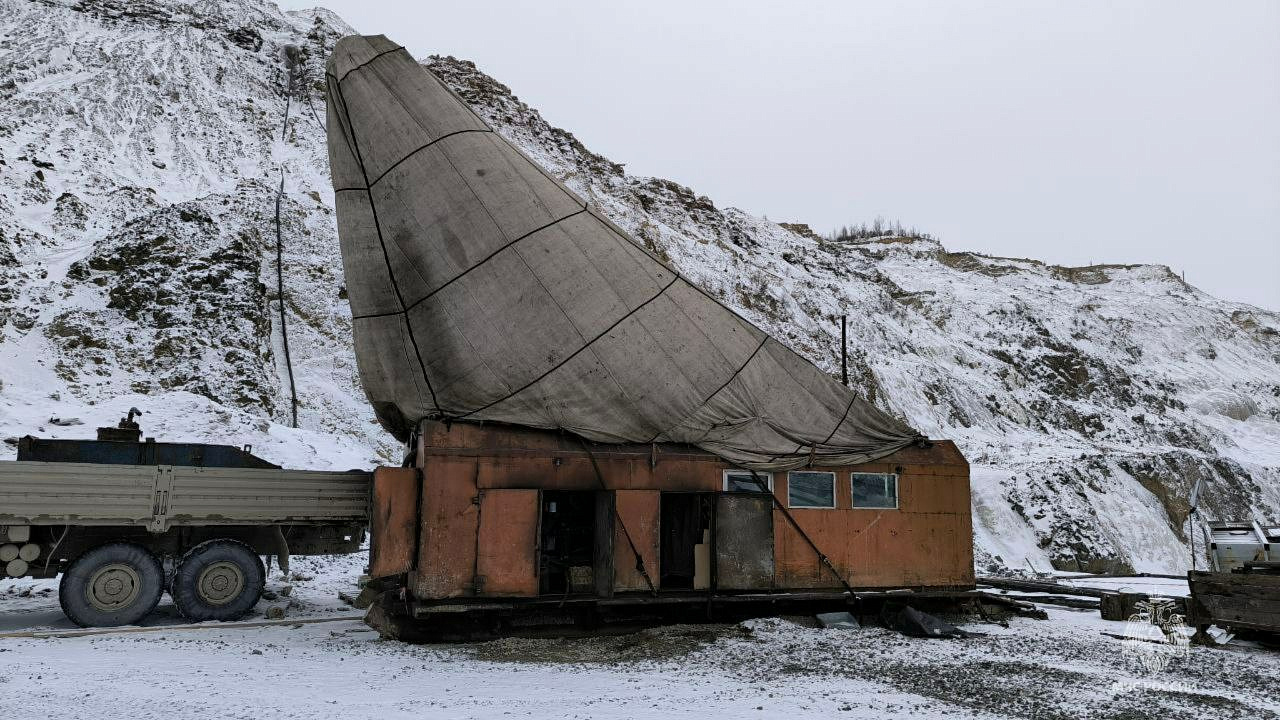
[483,289]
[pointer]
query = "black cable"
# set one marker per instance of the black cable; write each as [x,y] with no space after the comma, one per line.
[284,328]
[284,129]
[315,115]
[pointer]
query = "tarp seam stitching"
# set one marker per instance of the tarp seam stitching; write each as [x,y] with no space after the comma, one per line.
[377,226]
[704,403]
[575,353]
[446,136]
[460,275]
[362,65]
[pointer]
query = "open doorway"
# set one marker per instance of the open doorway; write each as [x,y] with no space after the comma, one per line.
[686,530]
[568,558]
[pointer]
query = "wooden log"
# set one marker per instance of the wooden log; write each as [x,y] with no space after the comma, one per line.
[1111,607]
[1044,586]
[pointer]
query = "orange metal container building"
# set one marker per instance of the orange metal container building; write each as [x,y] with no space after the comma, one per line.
[500,512]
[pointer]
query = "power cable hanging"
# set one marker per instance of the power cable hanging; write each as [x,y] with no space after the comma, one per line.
[284,327]
[292,66]
[315,115]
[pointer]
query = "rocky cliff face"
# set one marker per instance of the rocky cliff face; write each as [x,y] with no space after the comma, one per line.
[140,152]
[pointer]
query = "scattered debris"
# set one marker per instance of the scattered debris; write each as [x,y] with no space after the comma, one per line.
[913,623]
[841,620]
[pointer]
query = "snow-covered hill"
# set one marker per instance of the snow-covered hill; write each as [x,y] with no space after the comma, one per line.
[140,150]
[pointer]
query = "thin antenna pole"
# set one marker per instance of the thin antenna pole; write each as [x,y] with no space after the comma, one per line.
[844,350]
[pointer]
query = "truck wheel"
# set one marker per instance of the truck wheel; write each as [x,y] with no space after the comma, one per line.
[218,580]
[112,584]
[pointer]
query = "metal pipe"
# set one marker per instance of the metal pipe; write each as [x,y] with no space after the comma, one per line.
[844,350]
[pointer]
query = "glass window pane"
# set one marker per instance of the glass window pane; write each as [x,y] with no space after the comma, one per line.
[744,482]
[811,489]
[875,490]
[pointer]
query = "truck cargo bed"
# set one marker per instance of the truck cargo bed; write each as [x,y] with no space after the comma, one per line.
[162,496]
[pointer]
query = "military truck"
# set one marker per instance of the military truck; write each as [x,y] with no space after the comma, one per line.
[124,519]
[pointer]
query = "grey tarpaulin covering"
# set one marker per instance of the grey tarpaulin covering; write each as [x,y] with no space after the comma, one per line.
[483,289]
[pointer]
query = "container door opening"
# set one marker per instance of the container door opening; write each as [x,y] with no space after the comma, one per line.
[567,559]
[685,552]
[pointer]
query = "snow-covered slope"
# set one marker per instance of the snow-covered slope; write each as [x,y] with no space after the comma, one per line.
[140,146]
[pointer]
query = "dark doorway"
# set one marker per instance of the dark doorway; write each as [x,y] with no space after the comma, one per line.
[568,542]
[685,553]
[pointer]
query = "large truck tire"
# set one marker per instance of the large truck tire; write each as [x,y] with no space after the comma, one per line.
[113,584]
[218,580]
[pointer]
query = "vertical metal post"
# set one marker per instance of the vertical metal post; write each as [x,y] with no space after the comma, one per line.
[844,350]
[1191,531]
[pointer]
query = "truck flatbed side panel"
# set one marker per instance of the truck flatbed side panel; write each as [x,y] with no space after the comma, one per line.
[254,495]
[55,493]
[161,496]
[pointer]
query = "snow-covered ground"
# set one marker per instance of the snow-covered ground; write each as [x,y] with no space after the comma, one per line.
[1063,667]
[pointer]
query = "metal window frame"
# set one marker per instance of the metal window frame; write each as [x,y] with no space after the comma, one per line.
[835,502]
[897,492]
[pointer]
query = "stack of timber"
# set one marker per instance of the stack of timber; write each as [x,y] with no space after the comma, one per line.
[1237,601]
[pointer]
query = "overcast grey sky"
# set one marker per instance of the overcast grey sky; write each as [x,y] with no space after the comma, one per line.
[1071,132]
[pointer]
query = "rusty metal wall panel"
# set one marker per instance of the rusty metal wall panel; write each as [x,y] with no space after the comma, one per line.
[507,543]
[744,542]
[638,511]
[575,472]
[393,521]
[927,542]
[916,545]
[449,521]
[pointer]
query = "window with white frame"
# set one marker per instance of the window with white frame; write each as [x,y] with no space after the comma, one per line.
[742,481]
[808,489]
[875,490]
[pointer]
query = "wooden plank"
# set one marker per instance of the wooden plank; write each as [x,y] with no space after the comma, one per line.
[1253,605]
[1231,590]
[1236,600]
[1257,580]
